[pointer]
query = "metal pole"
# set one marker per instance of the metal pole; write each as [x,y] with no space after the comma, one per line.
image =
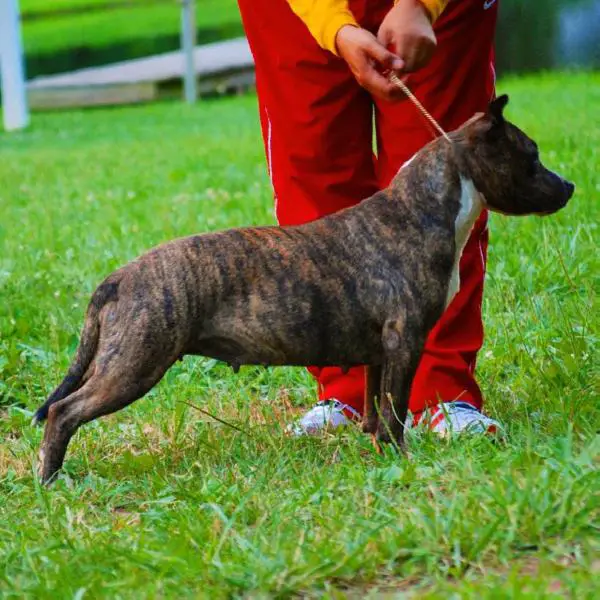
[188,42]
[14,99]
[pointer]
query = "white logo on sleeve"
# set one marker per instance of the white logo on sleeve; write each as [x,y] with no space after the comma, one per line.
[488,4]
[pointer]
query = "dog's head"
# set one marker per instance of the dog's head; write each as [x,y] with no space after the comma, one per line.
[505,166]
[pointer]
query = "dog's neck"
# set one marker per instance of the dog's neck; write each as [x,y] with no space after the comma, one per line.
[444,189]
[433,181]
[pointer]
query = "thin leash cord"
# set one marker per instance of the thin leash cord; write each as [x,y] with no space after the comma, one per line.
[399,83]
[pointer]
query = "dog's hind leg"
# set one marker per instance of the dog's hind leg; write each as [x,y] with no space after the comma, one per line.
[80,369]
[105,392]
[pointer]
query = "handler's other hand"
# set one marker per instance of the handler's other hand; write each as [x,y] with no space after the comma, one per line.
[368,60]
[407,30]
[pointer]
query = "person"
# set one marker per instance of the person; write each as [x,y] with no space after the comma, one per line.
[324,101]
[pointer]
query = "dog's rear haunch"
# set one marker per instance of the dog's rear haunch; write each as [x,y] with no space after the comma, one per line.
[361,287]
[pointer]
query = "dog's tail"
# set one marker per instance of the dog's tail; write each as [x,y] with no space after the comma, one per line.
[88,343]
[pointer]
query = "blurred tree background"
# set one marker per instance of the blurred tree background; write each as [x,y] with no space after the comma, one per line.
[64,35]
[548,34]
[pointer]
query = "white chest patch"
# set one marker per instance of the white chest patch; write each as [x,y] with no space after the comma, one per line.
[471,205]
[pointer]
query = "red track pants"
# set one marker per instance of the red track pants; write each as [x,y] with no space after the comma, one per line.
[317,125]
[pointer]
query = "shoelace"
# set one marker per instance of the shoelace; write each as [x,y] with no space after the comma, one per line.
[339,406]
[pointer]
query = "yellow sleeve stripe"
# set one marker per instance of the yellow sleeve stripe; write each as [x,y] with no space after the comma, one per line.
[324,18]
[434,7]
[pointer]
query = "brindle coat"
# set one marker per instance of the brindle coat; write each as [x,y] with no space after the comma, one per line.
[363,286]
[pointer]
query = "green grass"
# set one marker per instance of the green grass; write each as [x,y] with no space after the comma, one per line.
[35,7]
[161,501]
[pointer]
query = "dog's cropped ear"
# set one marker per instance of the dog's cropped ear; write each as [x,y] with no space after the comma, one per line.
[496,109]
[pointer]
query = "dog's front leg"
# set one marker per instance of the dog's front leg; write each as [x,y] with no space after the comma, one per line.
[402,352]
[371,406]
[395,392]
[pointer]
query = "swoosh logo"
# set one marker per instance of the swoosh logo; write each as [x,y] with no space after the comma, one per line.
[488,4]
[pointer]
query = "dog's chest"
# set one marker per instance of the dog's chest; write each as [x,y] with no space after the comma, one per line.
[471,205]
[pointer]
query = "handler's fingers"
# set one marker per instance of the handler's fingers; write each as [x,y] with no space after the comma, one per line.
[415,52]
[418,57]
[376,83]
[383,57]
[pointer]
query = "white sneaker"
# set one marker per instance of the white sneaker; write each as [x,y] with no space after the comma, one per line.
[444,419]
[324,415]
[456,417]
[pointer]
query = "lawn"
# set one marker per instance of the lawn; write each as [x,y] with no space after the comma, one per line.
[161,500]
[35,7]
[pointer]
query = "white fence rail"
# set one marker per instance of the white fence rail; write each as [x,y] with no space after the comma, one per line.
[12,72]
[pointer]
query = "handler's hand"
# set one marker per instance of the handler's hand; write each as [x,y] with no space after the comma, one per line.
[407,30]
[367,59]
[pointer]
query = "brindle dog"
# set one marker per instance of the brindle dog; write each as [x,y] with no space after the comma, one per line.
[360,287]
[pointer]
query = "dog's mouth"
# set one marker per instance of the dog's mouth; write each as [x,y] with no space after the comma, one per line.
[546,213]
[531,210]
[568,189]
[551,211]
